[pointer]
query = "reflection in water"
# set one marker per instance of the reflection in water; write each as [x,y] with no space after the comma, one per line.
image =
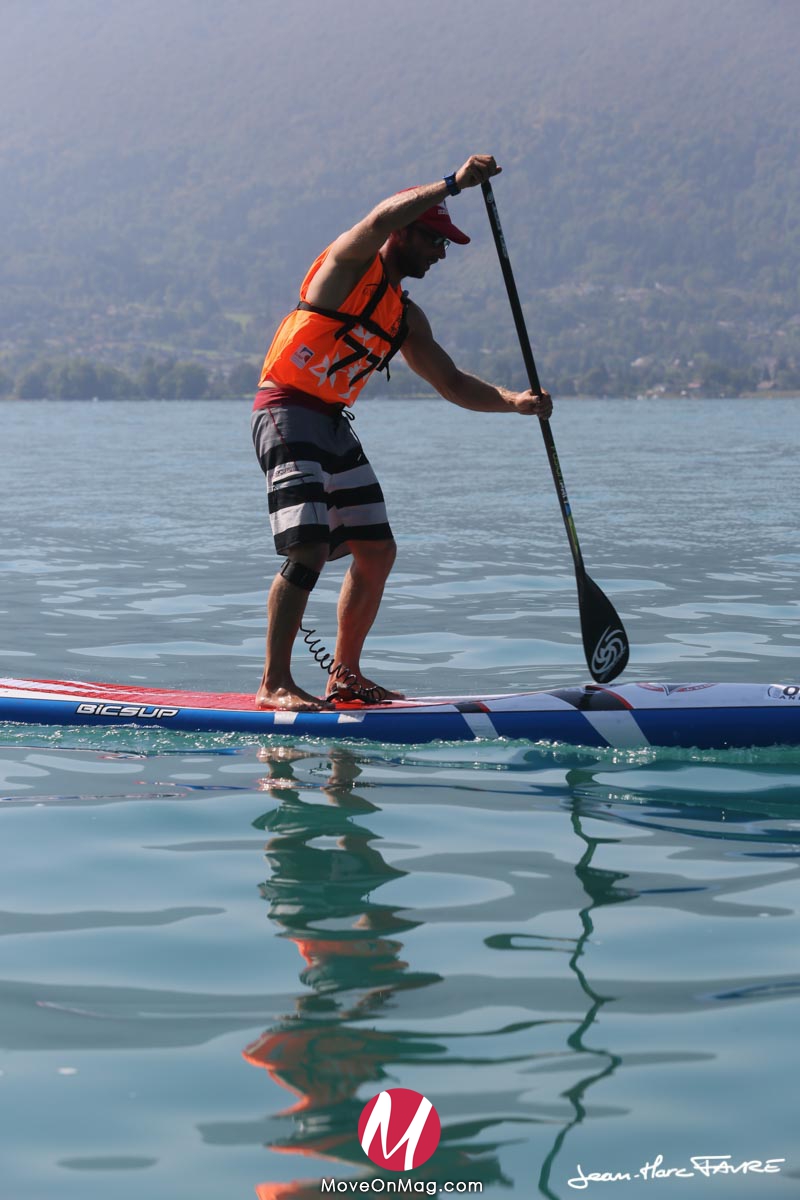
[336,1048]
[600,887]
[322,896]
[678,808]
[498,873]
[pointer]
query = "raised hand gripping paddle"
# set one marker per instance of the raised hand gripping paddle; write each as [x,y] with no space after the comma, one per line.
[605,642]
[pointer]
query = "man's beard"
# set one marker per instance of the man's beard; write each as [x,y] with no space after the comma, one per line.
[410,264]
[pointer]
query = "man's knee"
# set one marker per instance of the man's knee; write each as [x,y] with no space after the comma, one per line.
[313,555]
[304,564]
[377,557]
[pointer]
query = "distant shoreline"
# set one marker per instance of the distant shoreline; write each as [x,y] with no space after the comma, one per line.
[659,399]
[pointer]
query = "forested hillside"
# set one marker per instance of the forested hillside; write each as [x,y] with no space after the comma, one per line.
[168,169]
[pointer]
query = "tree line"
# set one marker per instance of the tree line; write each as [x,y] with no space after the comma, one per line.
[589,375]
[83,379]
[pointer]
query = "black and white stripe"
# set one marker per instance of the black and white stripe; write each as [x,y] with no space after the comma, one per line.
[320,484]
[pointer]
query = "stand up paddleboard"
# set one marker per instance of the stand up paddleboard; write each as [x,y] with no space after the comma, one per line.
[633,715]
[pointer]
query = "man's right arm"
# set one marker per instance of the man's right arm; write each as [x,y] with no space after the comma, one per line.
[433,364]
[354,250]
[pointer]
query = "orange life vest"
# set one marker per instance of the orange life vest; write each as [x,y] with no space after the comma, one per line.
[331,353]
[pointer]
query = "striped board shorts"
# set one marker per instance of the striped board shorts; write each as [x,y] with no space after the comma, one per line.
[320,485]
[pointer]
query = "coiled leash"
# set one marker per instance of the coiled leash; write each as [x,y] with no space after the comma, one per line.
[346,681]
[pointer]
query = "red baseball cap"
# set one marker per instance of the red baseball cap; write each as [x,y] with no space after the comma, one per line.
[438,219]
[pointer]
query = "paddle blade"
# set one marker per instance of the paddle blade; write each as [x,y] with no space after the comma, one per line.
[605,642]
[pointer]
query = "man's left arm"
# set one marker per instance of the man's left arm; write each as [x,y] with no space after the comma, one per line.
[432,363]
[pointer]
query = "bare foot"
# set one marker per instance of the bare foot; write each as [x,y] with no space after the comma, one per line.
[353,687]
[290,699]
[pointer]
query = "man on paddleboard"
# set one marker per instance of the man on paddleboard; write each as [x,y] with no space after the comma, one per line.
[324,498]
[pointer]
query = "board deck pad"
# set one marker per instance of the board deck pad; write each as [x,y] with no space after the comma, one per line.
[628,716]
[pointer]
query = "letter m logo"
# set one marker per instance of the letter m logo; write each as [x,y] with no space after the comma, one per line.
[405,1120]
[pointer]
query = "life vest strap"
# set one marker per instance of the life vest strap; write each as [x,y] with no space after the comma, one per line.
[349,322]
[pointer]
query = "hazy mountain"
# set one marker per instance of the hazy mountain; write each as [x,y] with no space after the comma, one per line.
[168,169]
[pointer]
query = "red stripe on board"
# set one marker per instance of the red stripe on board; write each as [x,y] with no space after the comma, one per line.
[129,693]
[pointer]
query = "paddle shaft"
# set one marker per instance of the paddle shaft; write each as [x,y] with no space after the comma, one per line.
[605,641]
[533,377]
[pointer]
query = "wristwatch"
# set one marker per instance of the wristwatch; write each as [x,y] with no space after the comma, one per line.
[452,187]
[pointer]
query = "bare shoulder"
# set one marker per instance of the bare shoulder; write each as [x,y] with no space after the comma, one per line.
[419,326]
[336,277]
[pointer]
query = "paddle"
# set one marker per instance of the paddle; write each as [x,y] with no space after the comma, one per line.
[605,642]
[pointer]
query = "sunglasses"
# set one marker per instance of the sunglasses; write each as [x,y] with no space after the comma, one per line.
[435,239]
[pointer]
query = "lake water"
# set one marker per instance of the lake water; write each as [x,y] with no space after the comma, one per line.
[216,949]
